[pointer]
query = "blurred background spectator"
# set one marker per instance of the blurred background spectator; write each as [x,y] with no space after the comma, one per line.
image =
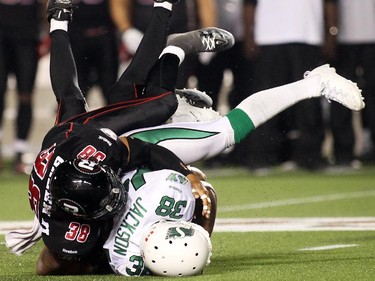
[293,36]
[211,68]
[355,61]
[233,65]
[21,23]
[94,46]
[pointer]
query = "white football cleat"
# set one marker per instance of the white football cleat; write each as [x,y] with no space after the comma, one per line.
[195,97]
[186,112]
[337,88]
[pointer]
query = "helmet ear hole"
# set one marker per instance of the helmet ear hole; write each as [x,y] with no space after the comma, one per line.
[184,248]
[86,189]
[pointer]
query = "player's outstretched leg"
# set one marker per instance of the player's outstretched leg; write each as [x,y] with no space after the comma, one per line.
[63,71]
[210,39]
[60,10]
[337,88]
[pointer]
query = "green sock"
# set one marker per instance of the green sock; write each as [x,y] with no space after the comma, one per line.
[241,124]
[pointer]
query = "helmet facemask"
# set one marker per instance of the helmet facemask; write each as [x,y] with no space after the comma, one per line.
[87,190]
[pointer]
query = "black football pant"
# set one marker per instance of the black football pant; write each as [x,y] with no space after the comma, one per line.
[144,94]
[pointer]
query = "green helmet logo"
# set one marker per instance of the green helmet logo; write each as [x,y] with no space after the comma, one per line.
[179,232]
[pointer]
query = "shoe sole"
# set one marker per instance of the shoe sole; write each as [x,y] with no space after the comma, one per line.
[348,90]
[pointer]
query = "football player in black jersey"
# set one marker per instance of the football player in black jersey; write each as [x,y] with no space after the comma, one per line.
[83,152]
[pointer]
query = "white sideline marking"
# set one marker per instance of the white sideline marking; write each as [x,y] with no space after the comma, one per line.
[296,201]
[262,224]
[295,224]
[328,247]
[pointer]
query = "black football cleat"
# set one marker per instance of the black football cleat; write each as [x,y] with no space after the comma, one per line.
[210,39]
[61,10]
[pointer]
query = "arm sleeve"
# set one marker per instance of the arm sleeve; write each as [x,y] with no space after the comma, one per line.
[154,156]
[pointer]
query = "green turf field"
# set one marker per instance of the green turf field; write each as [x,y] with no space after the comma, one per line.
[255,254]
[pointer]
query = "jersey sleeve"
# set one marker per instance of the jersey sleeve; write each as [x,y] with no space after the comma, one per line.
[98,144]
[72,140]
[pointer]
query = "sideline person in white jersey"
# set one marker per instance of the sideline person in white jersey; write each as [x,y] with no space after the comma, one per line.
[153,196]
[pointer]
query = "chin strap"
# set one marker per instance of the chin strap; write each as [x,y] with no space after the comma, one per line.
[19,240]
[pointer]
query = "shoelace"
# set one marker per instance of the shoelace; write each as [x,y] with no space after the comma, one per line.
[208,42]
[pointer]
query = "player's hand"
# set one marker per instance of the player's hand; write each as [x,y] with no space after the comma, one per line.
[201,176]
[199,191]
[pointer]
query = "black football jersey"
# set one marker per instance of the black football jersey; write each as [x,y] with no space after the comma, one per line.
[65,235]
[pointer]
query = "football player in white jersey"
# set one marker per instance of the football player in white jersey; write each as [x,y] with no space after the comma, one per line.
[163,195]
[153,196]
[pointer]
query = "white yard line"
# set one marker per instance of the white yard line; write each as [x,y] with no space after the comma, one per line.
[273,224]
[295,224]
[263,224]
[328,247]
[296,201]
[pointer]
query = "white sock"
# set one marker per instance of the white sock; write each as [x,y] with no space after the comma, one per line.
[264,105]
[165,5]
[21,146]
[175,51]
[57,24]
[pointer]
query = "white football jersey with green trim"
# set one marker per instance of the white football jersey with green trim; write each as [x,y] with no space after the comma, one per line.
[153,196]
[190,141]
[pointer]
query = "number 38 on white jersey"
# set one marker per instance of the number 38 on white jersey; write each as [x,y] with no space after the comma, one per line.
[153,196]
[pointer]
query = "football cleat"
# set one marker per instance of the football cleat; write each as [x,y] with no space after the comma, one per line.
[186,112]
[210,39]
[195,97]
[337,88]
[61,10]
